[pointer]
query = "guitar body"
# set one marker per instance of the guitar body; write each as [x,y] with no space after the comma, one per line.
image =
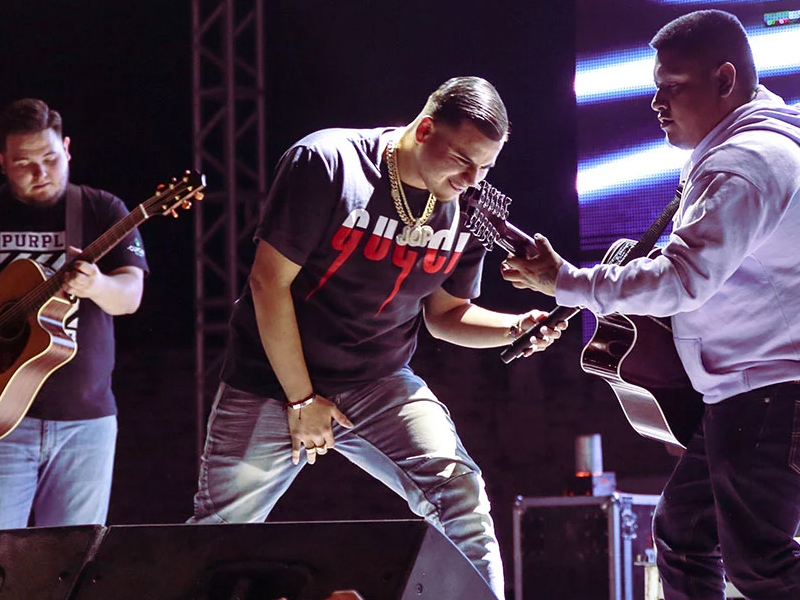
[33,348]
[636,356]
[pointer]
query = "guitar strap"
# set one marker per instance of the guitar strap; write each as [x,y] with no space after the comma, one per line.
[73,230]
[650,237]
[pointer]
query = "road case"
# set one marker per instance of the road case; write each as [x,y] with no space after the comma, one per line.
[582,547]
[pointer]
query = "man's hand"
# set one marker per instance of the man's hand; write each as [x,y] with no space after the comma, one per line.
[537,274]
[311,427]
[82,279]
[549,335]
[117,292]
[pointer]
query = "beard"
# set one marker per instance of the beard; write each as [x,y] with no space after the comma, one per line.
[44,198]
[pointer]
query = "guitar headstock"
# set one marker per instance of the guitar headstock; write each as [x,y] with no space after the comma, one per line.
[175,195]
[486,209]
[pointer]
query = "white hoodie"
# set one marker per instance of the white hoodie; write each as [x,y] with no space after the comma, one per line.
[730,273]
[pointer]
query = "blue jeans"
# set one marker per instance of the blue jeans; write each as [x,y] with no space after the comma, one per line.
[403,436]
[57,473]
[732,505]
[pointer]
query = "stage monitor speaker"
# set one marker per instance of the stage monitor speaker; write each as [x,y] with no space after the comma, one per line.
[44,563]
[380,560]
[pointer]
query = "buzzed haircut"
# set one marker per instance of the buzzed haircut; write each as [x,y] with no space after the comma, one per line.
[714,35]
[28,115]
[470,99]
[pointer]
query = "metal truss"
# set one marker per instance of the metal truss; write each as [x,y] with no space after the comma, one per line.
[229,128]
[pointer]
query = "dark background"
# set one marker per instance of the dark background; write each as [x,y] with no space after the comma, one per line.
[119,72]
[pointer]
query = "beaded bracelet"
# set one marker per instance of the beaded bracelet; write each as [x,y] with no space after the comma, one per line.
[303,403]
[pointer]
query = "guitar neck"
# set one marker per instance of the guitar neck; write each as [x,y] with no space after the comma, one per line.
[517,242]
[113,236]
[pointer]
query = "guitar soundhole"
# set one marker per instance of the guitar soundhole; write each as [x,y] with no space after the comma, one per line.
[13,337]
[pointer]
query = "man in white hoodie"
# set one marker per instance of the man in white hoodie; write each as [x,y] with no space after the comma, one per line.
[729,278]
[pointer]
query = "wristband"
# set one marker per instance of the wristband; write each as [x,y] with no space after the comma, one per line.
[303,403]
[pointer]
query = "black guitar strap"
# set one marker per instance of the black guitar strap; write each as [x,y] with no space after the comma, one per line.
[650,237]
[73,230]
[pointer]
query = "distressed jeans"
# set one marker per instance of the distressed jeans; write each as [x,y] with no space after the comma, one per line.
[403,436]
[57,473]
[732,505]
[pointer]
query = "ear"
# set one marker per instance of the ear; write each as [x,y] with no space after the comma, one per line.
[66,148]
[424,128]
[726,76]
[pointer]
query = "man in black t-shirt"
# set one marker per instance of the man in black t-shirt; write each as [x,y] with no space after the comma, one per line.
[56,462]
[360,242]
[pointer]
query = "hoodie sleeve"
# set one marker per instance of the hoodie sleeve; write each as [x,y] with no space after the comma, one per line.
[730,206]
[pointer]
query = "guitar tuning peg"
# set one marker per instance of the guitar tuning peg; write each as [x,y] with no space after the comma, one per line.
[199,196]
[174,213]
[186,204]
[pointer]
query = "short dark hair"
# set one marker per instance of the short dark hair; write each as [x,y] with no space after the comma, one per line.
[28,115]
[470,99]
[714,35]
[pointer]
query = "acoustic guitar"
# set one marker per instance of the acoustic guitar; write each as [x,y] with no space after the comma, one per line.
[34,309]
[635,355]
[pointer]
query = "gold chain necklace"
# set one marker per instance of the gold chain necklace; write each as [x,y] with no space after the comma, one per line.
[415,232]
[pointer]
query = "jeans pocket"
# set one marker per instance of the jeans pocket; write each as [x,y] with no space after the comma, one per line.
[794,450]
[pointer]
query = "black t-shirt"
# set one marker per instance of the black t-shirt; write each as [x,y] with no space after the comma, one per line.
[80,389]
[358,296]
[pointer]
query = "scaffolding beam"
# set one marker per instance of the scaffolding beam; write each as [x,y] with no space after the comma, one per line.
[229,147]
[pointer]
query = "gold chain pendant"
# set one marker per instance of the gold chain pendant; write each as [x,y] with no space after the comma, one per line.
[415,233]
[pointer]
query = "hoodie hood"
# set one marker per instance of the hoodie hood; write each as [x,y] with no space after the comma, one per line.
[766,112]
